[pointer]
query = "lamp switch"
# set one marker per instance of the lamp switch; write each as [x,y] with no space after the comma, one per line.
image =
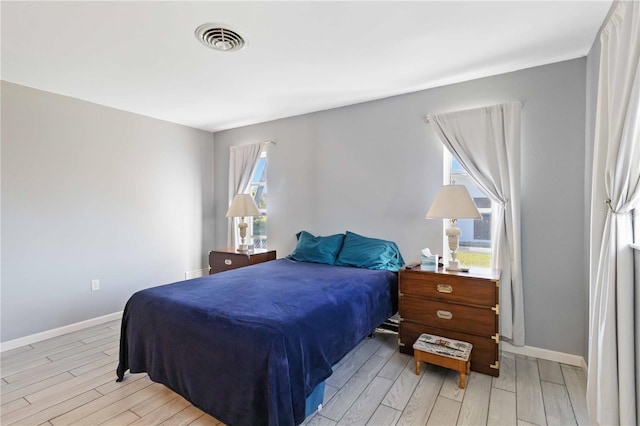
[95,285]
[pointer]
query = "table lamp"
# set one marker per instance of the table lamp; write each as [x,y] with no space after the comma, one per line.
[243,206]
[453,202]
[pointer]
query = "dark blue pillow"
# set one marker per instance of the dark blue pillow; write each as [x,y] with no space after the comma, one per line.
[316,249]
[370,253]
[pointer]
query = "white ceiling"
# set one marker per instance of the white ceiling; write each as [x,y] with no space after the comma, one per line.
[301,57]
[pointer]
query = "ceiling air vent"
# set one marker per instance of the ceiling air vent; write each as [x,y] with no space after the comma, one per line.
[219,38]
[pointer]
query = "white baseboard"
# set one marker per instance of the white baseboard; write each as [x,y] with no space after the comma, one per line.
[546,354]
[196,273]
[38,337]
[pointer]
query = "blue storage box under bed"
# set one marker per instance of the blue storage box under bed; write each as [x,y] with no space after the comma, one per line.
[313,402]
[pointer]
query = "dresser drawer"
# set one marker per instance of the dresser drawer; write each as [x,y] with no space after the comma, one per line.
[484,355]
[451,316]
[449,288]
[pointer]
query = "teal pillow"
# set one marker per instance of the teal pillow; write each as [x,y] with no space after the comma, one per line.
[370,253]
[316,249]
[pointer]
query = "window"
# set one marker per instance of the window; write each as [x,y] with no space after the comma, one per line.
[258,190]
[475,241]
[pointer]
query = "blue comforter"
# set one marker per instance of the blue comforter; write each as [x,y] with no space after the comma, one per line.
[249,345]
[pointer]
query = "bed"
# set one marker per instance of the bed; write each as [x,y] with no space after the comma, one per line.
[248,346]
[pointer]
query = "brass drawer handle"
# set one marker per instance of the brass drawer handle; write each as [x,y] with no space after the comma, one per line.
[445,315]
[228,262]
[444,288]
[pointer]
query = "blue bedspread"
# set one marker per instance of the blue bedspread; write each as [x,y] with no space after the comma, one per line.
[249,345]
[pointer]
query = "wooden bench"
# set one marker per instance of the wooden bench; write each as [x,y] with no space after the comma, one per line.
[444,352]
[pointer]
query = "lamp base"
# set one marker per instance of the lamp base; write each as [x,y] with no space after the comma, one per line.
[461,269]
[242,248]
[454,266]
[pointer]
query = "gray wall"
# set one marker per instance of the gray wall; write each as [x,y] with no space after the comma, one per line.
[90,192]
[374,168]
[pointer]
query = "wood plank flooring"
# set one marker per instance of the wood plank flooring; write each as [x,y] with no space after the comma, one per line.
[70,380]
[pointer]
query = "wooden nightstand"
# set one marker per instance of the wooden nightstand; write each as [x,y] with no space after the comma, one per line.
[228,258]
[458,305]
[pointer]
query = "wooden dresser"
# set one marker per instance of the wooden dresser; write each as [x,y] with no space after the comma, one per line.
[229,258]
[458,305]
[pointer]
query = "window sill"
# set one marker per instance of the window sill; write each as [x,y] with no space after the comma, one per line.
[635,246]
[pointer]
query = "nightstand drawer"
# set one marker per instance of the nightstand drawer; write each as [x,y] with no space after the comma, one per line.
[484,356]
[451,316]
[225,261]
[448,288]
[262,257]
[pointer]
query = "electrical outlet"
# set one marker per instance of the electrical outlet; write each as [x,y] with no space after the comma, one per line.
[95,285]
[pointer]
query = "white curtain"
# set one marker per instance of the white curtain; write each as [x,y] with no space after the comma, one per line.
[486,142]
[243,160]
[613,385]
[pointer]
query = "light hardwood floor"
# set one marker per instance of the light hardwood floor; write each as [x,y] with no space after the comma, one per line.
[71,380]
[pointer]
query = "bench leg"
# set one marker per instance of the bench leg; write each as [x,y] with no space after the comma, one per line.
[417,367]
[463,380]
[463,376]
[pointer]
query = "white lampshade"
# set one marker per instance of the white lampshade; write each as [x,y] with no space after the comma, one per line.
[243,206]
[453,202]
